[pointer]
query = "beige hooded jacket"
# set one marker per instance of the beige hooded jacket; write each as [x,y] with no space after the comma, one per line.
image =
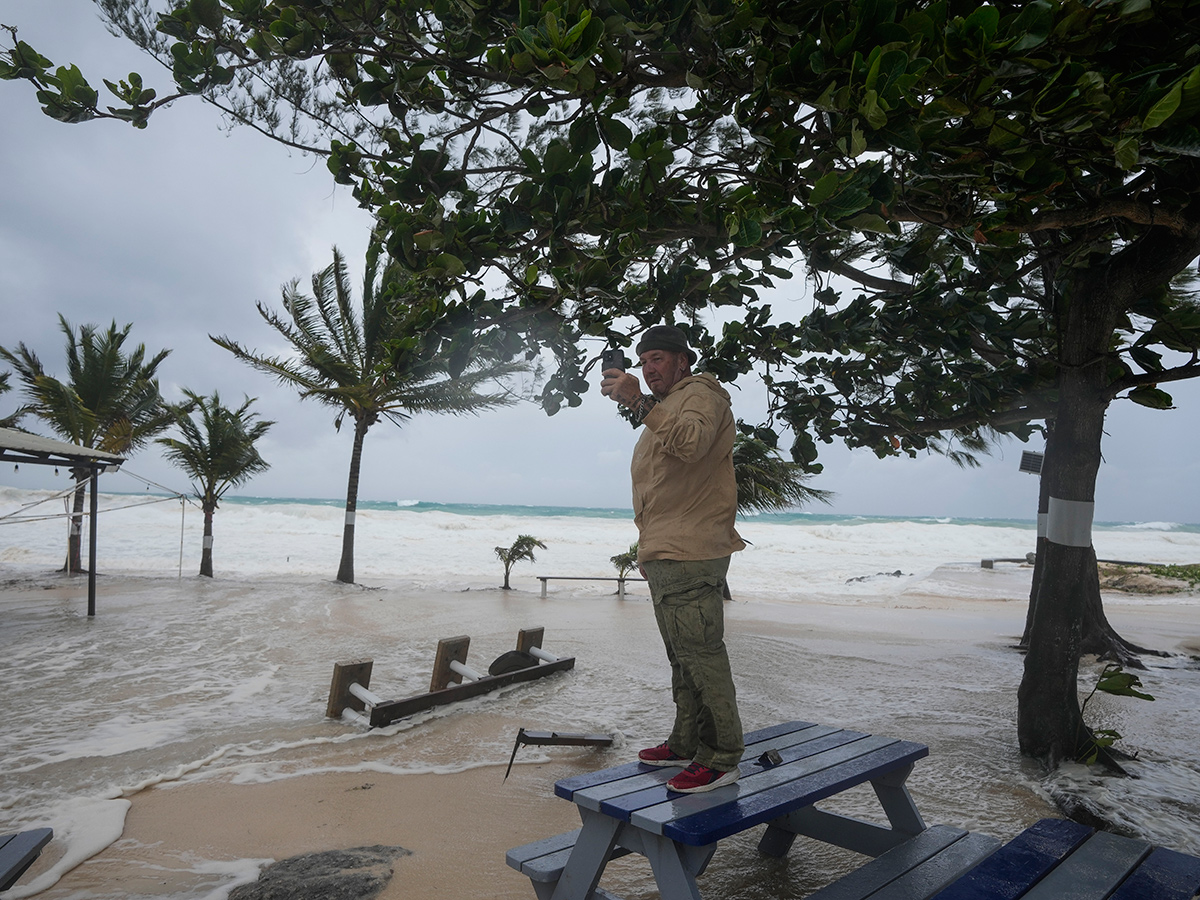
[684,492]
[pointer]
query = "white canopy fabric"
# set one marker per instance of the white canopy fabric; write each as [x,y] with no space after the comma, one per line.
[21,447]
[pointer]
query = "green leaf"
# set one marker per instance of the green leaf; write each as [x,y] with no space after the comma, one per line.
[1161,111]
[1151,397]
[1121,684]
[616,133]
[1126,152]
[452,265]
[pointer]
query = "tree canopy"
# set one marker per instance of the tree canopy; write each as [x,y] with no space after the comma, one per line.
[614,166]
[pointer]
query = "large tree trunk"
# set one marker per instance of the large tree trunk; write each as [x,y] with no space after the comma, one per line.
[74,561]
[1097,636]
[346,568]
[206,567]
[1049,723]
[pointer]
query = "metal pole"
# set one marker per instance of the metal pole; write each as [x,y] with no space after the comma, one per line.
[92,548]
[182,509]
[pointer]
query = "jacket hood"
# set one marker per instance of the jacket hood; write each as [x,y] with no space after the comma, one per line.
[704,380]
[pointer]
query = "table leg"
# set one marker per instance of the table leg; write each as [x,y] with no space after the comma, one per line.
[845,831]
[592,851]
[897,802]
[676,866]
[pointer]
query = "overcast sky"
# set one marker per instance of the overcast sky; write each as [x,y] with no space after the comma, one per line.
[181,227]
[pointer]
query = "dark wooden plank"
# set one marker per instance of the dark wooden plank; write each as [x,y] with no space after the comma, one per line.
[915,869]
[527,638]
[18,851]
[1163,875]
[452,649]
[354,671]
[824,751]
[389,711]
[1021,863]
[1093,871]
[940,870]
[885,869]
[722,821]
[567,787]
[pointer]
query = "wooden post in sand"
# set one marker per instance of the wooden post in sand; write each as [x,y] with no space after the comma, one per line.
[449,650]
[355,671]
[528,638]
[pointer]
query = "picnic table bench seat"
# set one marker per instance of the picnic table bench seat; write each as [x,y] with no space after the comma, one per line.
[18,851]
[1054,859]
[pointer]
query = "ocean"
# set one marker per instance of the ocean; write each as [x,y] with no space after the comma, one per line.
[889,626]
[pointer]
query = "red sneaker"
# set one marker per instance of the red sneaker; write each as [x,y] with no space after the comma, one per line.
[696,779]
[662,755]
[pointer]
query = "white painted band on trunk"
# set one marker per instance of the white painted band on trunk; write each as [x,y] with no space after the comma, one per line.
[349,517]
[208,542]
[1042,517]
[1070,522]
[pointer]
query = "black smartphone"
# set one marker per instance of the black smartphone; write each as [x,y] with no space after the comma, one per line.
[612,358]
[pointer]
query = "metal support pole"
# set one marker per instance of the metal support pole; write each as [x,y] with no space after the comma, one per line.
[92,547]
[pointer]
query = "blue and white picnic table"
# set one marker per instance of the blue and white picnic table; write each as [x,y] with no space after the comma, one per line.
[627,809]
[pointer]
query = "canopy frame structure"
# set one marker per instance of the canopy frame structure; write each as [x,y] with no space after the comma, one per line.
[31,449]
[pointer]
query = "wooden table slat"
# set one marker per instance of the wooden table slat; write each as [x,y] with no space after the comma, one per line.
[866,880]
[723,821]
[829,750]
[567,787]
[793,745]
[1009,872]
[1163,875]
[18,851]
[940,870]
[1093,871]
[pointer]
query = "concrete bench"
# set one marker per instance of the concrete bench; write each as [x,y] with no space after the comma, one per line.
[620,581]
[18,851]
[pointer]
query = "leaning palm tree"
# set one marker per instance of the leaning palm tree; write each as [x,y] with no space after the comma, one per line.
[768,482]
[343,358]
[522,548]
[109,401]
[217,452]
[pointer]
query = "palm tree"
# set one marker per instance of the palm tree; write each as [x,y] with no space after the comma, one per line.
[625,562]
[768,482]
[342,360]
[9,421]
[110,401]
[522,548]
[217,452]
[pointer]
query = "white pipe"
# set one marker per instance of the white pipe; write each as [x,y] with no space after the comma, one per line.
[354,717]
[465,671]
[363,694]
[543,655]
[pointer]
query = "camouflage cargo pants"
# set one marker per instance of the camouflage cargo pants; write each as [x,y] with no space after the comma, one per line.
[689,606]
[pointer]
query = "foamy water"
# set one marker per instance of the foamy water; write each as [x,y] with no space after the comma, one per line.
[183,679]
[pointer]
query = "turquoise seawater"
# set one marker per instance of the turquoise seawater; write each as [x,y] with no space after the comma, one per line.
[588,512]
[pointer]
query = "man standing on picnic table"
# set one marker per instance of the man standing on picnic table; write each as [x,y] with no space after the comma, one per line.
[684,504]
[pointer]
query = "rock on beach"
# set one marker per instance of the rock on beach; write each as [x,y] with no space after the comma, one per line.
[356,874]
